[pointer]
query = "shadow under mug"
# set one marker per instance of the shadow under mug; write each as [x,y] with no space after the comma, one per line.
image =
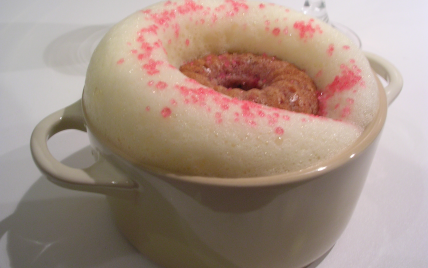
[284,220]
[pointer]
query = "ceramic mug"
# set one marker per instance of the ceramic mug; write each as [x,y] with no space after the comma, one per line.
[285,220]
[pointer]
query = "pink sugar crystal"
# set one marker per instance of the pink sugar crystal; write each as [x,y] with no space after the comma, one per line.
[276,31]
[279,130]
[330,50]
[306,30]
[176,30]
[237,5]
[348,78]
[189,6]
[346,111]
[151,66]
[218,117]
[166,112]
[161,85]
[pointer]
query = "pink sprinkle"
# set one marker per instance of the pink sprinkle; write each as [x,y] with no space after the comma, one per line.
[176,30]
[218,117]
[346,47]
[173,102]
[150,83]
[134,51]
[262,6]
[151,66]
[166,112]
[187,42]
[330,49]
[272,121]
[346,111]
[279,130]
[251,122]
[189,6]
[224,106]
[161,85]
[158,44]
[120,61]
[286,117]
[285,30]
[237,6]
[346,81]
[148,108]
[276,31]
[151,29]
[306,30]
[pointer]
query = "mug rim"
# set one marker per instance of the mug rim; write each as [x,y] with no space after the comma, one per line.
[368,136]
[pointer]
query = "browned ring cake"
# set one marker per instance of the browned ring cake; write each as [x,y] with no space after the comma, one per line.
[260,79]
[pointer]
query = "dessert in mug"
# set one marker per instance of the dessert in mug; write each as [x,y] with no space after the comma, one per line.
[136,98]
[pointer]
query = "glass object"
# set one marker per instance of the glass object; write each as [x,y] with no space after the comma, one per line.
[317,9]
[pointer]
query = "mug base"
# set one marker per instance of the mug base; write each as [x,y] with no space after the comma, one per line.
[315,263]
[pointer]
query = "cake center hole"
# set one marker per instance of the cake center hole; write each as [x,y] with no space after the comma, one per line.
[239,81]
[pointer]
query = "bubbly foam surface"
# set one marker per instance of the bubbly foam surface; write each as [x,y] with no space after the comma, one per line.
[137,100]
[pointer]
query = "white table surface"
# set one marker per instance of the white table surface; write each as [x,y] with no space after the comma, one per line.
[45,46]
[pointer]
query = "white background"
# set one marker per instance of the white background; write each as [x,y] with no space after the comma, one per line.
[45,46]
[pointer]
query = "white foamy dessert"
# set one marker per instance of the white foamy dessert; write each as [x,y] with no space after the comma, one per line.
[137,100]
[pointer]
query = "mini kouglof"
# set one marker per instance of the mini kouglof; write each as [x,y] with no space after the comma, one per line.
[151,114]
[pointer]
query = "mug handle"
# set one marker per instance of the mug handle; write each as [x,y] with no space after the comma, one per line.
[102,177]
[387,71]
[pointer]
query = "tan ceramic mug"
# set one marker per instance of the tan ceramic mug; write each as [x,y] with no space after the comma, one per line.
[286,220]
